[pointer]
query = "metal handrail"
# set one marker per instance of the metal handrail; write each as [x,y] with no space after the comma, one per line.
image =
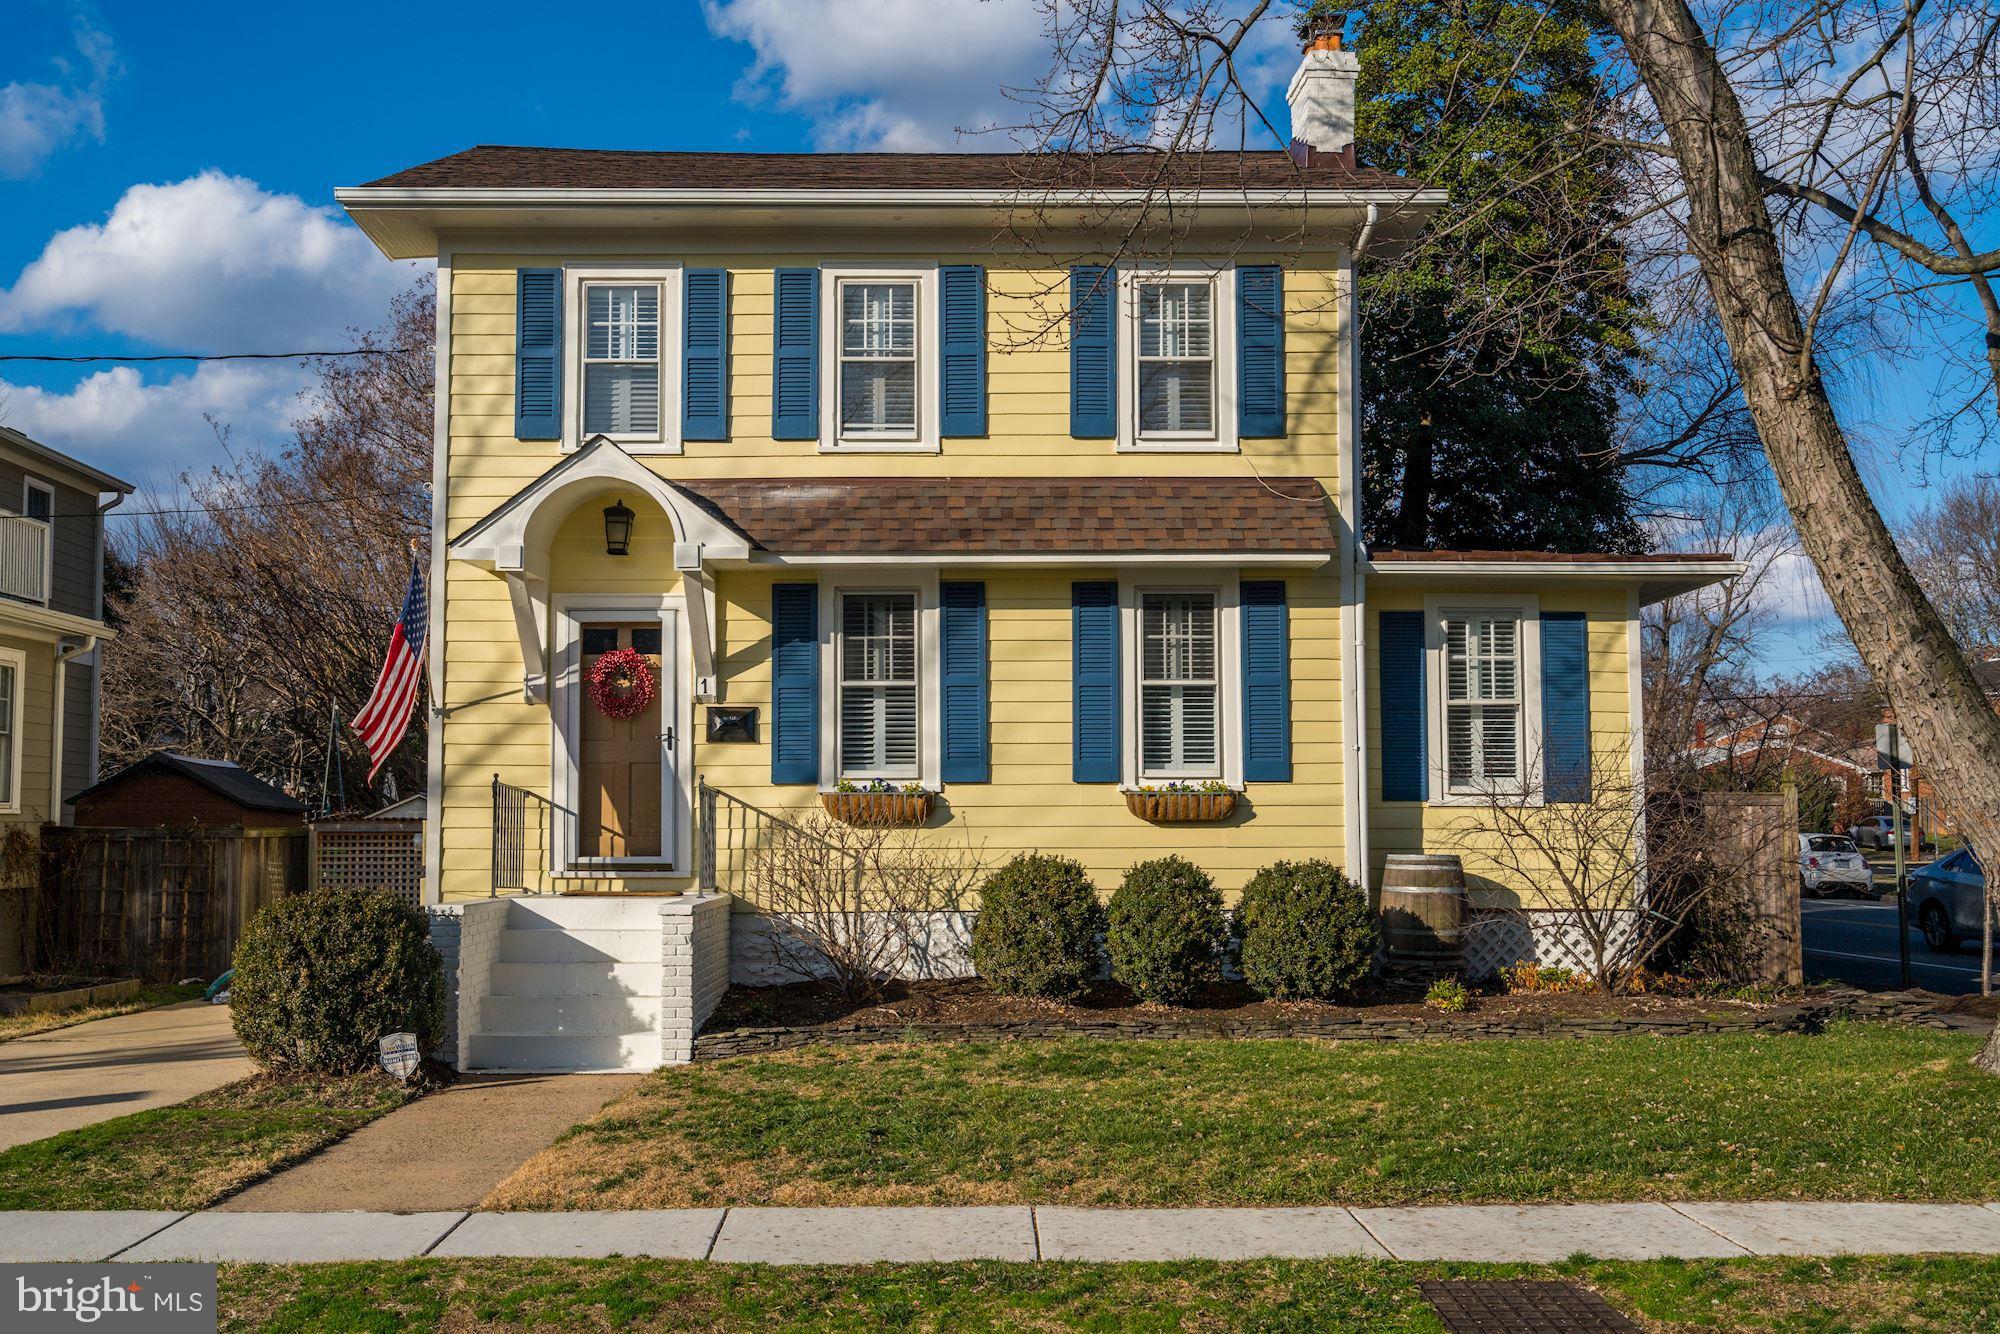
[510,834]
[742,825]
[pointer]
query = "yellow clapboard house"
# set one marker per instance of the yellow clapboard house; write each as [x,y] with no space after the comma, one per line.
[933,473]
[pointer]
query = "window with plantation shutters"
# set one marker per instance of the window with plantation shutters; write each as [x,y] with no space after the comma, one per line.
[1483,699]
[1178,686]
[1176,350]
[878,360]
[621,360]
[876,661]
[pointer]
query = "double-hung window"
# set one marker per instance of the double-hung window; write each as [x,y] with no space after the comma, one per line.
[1178,686]
[878,359]
[878,674]
[10,727]
[1177,380]
[1483,700]
[621,360]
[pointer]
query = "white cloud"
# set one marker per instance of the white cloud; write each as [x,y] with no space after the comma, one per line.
[37,119]
[211,262]
[902,75]
[150,433]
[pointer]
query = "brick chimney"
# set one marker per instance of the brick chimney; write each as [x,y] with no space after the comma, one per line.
[1321,98]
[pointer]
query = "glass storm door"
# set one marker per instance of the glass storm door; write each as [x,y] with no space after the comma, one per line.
[622,763]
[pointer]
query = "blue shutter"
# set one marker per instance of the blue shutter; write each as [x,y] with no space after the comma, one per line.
[1260,350]
[795,355]
[538,354]
[1405,765]
[1565,707]
[1093,352]
[1267,683]
[795,683]
[962,635]
[705,357]
[1094,656]
[962,349]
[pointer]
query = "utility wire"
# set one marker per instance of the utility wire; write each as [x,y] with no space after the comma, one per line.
[209,356]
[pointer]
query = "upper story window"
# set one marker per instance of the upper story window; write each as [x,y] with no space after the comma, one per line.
[1177,390]
[1178,686]
[878,349]
[878,666]
[623,331]
[38,500]
[1483,700]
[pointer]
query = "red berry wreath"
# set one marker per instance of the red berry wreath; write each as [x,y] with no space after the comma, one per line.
[621,684]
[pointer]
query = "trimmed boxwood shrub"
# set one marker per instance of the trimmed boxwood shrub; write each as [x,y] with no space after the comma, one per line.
[1037,929]
[1166,930]
[1306,932]
[320,977]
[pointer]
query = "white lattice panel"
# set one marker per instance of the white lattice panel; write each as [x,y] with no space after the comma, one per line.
[1500,938]
[371,854]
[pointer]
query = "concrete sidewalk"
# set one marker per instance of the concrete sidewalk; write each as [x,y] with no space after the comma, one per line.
[87,1073]
[1496,1233]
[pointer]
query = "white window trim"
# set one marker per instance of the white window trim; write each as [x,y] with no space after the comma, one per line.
[15,658]
[672,335]
[1528,608]
[1225,440]
[930,684]
[927,439]
[30,485]
[1228,668]
[572,612]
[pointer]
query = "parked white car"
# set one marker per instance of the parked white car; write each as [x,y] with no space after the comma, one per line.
[1831,864]
[1879,831]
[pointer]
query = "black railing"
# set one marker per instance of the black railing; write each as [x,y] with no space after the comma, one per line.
[521,820]
[737,843]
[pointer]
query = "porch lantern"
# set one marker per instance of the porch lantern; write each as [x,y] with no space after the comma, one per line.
[618,529]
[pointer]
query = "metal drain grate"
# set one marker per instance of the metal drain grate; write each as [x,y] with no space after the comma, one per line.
[1522,1306]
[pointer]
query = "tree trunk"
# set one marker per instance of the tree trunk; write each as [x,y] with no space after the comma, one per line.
[1413,516]
[1899,634]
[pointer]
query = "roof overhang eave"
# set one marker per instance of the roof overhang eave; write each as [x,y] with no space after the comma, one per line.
[1656,581]
[1301,560]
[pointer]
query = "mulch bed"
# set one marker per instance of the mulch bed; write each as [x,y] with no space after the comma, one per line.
[759,1019]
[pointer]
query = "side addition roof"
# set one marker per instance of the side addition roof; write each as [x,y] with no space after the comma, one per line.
[225,778]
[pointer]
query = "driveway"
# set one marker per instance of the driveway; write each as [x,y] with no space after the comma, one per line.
[1855,942]
[93,1072]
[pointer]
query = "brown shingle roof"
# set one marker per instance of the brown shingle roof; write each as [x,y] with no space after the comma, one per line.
[503,167]
[1022,515]
[1381,555]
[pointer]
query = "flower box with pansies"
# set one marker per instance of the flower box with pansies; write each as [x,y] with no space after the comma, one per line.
[879,802]
[1206,802]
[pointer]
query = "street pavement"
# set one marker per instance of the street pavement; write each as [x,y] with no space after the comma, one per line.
[1854,941]
[1540,1234]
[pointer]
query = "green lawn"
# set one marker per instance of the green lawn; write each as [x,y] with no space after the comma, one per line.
[150,996]
[1821,1296]
[193,1153]
[1861,1112]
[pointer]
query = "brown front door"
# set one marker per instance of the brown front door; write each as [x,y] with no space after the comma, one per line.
[618,759]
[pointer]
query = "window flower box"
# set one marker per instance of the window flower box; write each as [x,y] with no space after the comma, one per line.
[879,805]
[1182,803]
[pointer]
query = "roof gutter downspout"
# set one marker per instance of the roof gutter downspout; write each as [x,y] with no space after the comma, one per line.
[1354,589]
[1367,230]
[64,656]
[97,663]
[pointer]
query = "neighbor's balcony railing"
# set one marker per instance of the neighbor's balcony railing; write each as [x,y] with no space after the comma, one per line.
[24,558]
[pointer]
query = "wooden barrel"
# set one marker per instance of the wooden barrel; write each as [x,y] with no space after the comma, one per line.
[1423,911]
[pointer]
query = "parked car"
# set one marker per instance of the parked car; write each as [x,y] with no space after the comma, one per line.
[1879,831]
[1831,864]
[1947,897]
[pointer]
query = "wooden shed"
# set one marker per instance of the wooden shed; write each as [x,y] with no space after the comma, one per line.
[179,790]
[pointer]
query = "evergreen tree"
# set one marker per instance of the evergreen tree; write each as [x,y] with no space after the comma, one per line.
[1495,351]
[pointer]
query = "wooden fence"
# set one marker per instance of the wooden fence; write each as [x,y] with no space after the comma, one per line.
[1755,835]
[161,904]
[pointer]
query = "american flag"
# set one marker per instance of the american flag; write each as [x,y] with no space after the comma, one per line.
[386,716]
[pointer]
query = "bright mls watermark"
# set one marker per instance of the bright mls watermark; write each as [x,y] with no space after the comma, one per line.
[164,1298]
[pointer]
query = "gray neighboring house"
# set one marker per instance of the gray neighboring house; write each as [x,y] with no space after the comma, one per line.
[52,631]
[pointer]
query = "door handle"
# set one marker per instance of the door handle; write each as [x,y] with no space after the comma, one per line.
[668,737]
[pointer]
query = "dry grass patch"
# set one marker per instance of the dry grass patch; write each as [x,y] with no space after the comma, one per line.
[1102,1122]
[194,1153]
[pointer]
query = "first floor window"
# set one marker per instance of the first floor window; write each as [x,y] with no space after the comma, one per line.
[1482,678]
[9,687]
[1177,686]
[878,685]
[621,360]
[878,359]
[1176,351]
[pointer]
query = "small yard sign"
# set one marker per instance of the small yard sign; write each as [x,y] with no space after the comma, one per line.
[400,1056]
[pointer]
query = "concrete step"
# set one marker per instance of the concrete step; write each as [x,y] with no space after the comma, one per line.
[594,912]
[545,1053]
[569,1015]
[579,946]
[595,978]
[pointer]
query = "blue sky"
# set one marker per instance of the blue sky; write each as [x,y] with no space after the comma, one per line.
[166,172]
